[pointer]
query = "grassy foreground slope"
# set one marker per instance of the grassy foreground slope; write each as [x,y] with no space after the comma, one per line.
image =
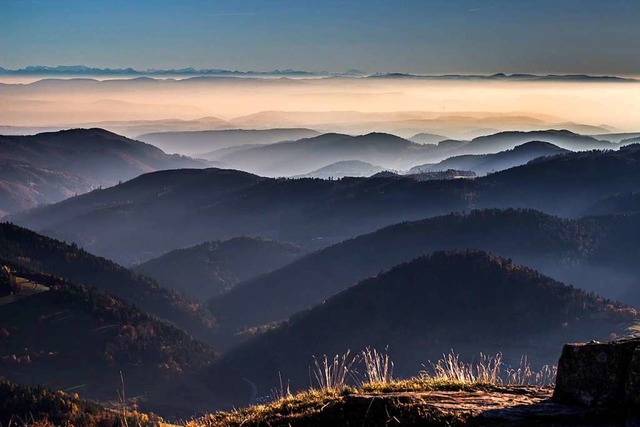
[469,301]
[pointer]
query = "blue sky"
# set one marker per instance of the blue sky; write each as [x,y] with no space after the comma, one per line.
[420,36]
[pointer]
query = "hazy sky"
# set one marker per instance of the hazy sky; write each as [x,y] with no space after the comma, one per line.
[428,36]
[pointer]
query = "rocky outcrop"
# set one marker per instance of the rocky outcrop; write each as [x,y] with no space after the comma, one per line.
[600,375]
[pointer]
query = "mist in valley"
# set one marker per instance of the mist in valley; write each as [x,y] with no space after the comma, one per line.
[459,109]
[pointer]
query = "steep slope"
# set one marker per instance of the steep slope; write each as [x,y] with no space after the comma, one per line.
[21,248]
[596,254]
[68,336]
[78,160]
[197,142]
[470,301]
[191,206]
[209,269]
[343,169]
[483,164]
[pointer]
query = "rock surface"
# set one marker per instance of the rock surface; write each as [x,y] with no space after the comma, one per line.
[601,375]
[496,406]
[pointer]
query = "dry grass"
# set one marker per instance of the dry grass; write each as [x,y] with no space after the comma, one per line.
[490,370]
[447,374]
[333,374]
[378,366]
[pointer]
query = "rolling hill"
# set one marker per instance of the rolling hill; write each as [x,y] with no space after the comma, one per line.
[49,167]
[483,164]
[24,249]
[596,254]
[470,301]
[628,202]
[511,139]
[306,155]
[72,337]
[343,169]
[198,142]
[427,138]
[392,152]
[212,268]
[122,222]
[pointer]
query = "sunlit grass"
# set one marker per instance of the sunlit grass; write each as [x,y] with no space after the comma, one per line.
[449,373]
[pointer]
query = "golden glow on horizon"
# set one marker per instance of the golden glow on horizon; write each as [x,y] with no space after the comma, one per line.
[50,103]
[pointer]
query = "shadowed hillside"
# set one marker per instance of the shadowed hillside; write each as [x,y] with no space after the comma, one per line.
[123,222]
[49,167]
[628,202]
[46,408]
[68,336]
[593,253]
[470,301]
[21,248]
[209,269]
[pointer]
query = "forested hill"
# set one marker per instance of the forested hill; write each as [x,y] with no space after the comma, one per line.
[597,254]
[469,301]
[20,247]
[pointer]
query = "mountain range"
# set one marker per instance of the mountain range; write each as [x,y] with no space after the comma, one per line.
[344,168]
[482,164]
[596,253]
[203,142]
[49,167]
[25,250]
[295,158]
[470,301]
[83,70]
[212,268]
[121,222]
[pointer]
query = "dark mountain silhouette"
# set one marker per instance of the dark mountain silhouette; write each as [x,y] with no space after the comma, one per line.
[469,301]
[592,253]
[629,141]
[440,174]
[24,249]
[189,206]
[343,169]
[628,202]
[482,164]
[209,269]
[73,337]
[198,142]
[49,167]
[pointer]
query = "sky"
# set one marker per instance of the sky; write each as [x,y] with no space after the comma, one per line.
[413,36]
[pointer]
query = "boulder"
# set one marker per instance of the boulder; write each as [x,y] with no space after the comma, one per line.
[600,374]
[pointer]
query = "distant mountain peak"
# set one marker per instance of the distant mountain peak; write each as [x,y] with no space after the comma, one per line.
[536,145]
